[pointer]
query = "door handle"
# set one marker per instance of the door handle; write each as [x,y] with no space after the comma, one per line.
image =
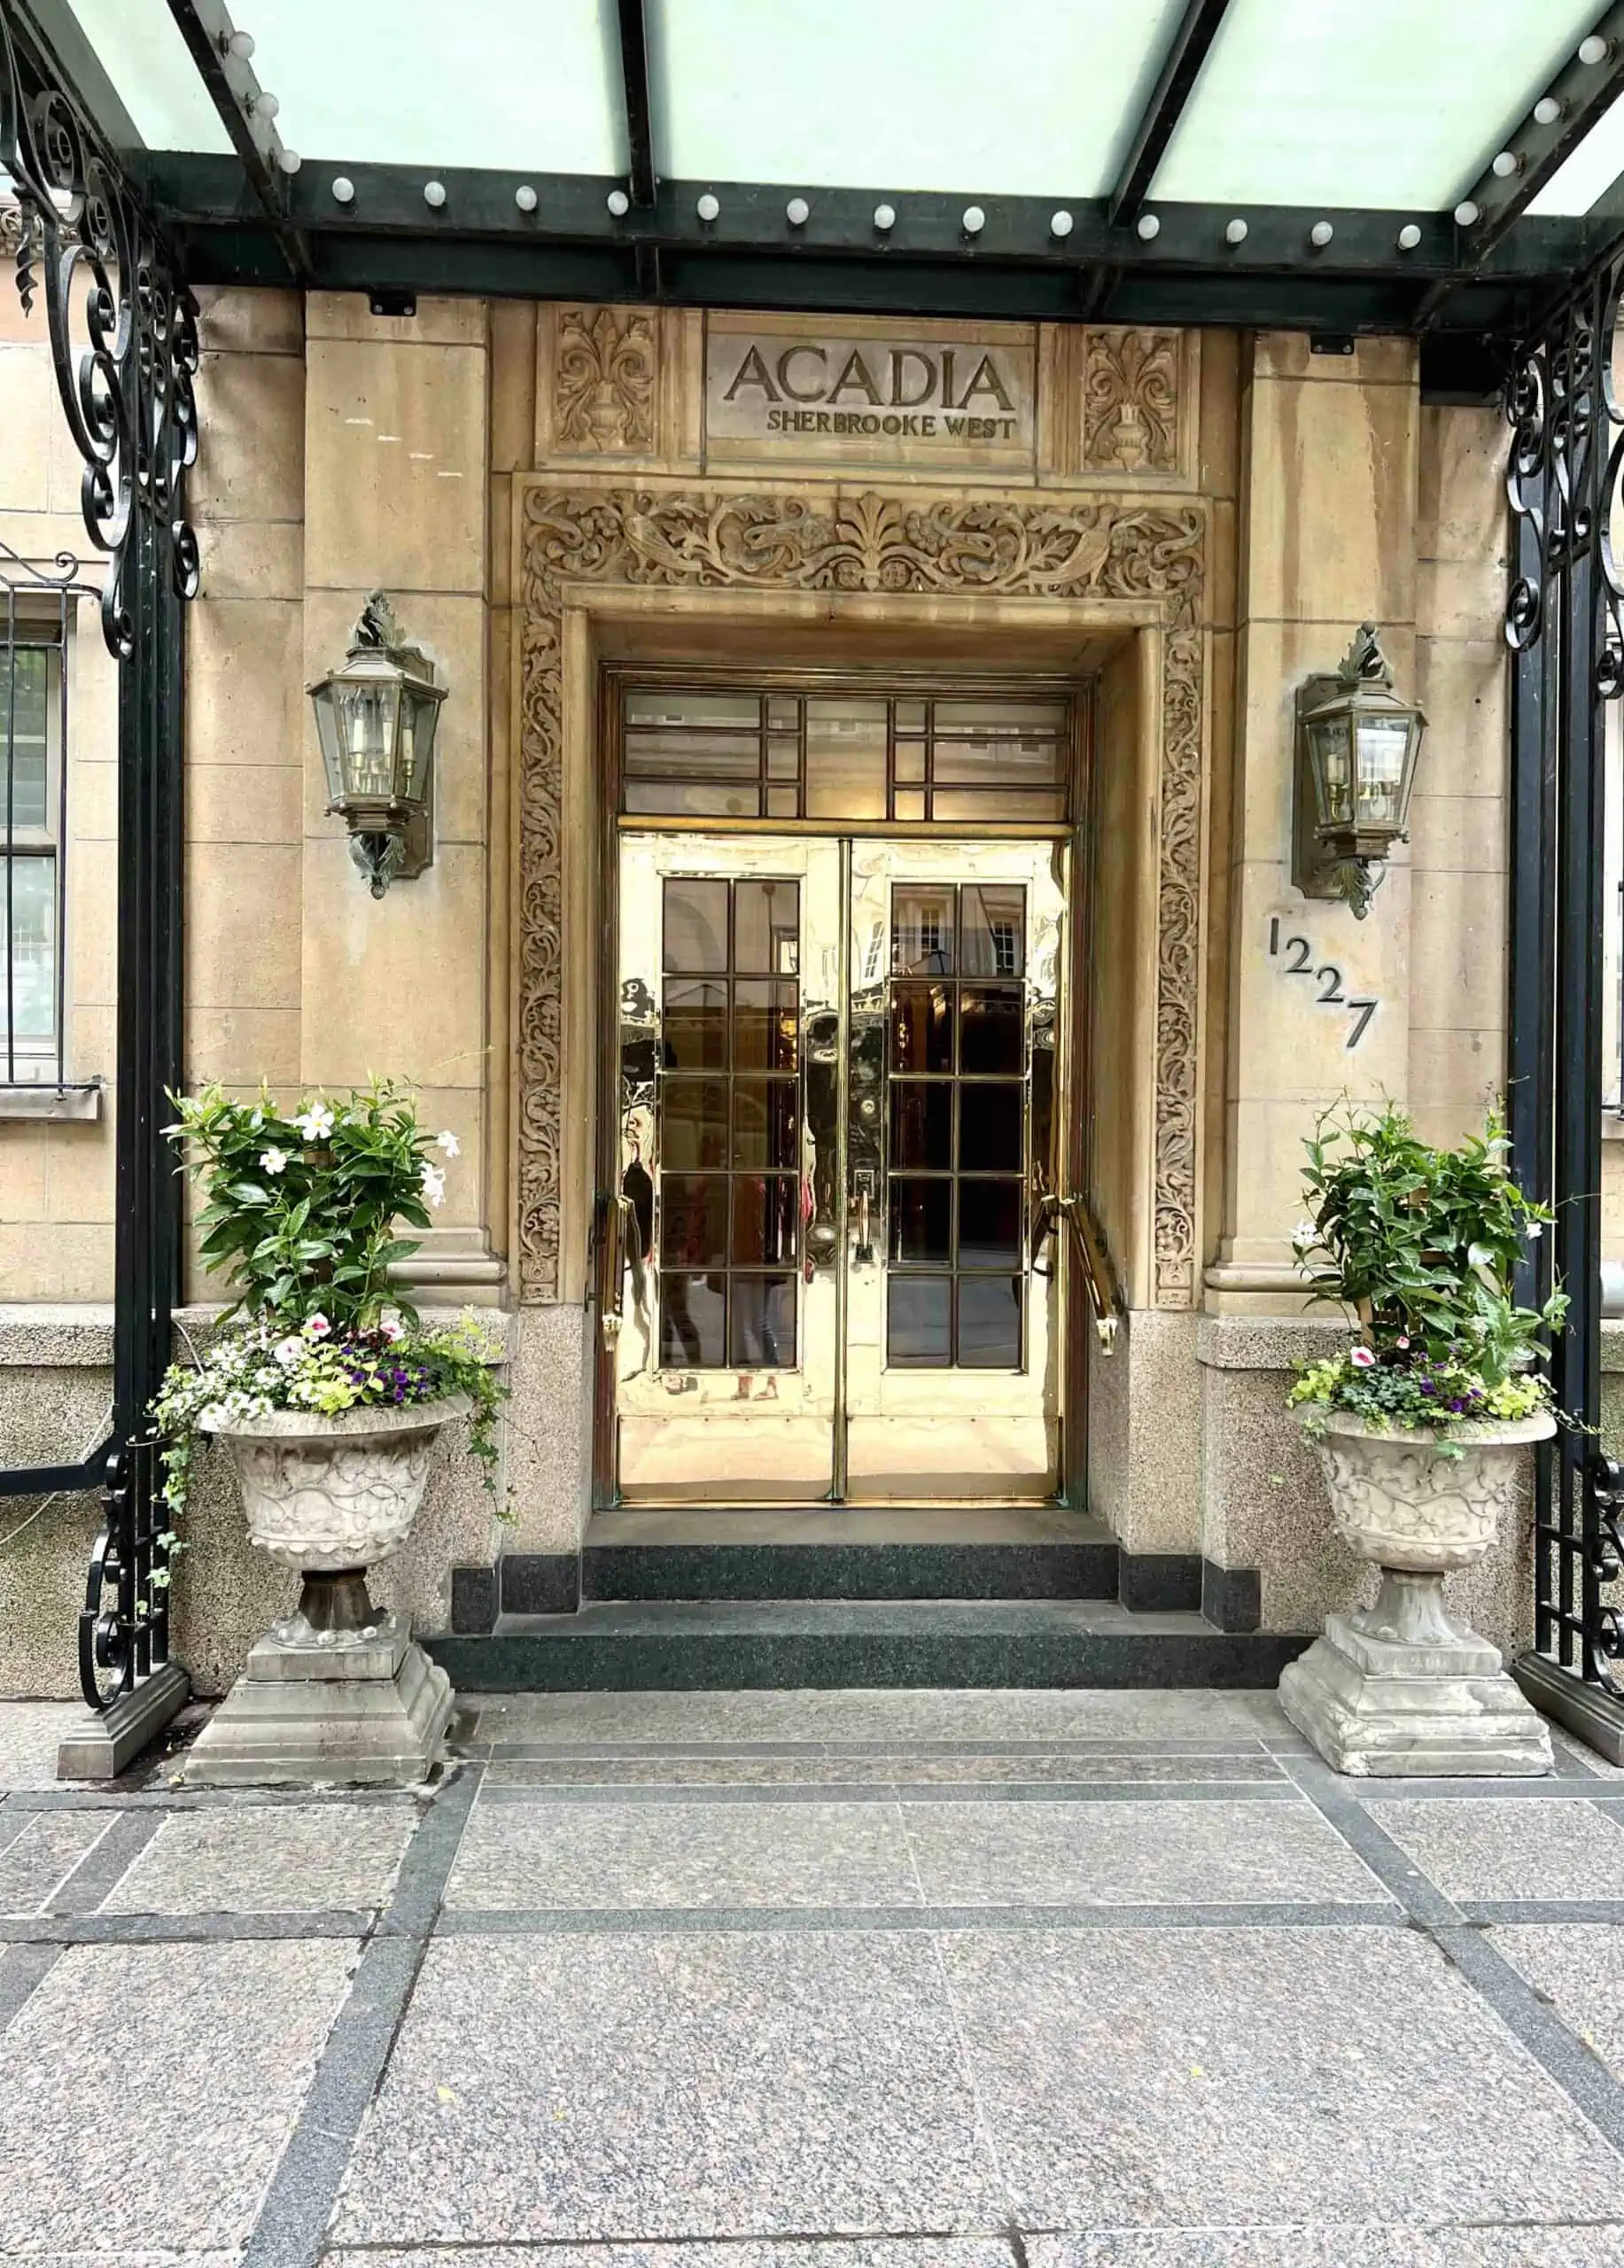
[622,1241]
[1105,1296]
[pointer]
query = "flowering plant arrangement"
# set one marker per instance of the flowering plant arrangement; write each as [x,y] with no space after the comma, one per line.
[1421,1245]
[301,1210]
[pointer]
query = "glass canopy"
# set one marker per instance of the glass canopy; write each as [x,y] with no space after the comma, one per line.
[1383,104]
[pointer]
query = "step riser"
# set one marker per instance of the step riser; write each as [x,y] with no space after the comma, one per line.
[833,1570]
[562,1662]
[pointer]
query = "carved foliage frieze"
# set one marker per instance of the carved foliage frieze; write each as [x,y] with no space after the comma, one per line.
[1131,394]
[1106,550]
[603,380]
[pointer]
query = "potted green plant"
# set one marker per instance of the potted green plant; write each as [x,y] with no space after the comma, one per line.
[321,1383]
[1422,1425]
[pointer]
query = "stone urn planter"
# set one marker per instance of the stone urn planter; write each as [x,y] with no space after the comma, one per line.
[1402,1686]
[336,1690]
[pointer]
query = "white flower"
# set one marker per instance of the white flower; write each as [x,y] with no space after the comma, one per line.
[390,1323]
[288,1352]
[1305,1232]
[448,1143]
[434,1185]
[315,1122]
[274,1160]
[1534,1231]
[316,1326]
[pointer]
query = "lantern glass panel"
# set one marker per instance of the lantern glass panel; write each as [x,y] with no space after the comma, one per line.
[327,727]
[1383,744]
[1333,771]
[368,714]
[419,715]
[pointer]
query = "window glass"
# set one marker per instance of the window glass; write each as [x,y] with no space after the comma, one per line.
[30,692]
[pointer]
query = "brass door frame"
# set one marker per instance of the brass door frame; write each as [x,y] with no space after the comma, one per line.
[1078,832]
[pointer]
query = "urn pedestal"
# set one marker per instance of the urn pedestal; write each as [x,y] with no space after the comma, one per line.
[338,1691]
[1402,1688]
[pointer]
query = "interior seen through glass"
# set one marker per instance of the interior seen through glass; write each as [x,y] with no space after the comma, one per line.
[844,756]
[729,1106]
[956,1178]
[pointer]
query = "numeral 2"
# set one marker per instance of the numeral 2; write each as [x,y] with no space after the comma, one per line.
[1333,991]
[1304,951]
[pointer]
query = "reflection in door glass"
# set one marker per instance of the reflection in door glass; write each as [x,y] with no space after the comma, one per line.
[728,1138]
[957,1130]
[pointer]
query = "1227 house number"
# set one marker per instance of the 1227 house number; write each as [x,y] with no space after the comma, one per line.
[1295,956]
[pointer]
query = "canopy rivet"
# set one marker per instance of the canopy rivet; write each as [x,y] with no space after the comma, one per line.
[797,212]
[618,203]
[973,221]
[344,189]
[708,207]
[525,197]
[885,217]
[1408,237]
[1466,213]
[434,193]
[1321,234]
[1235,231]
[1148,225]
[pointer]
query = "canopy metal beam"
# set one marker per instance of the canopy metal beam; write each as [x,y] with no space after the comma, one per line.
[1580,93]
[233,87]
[639,116]
[1180,69]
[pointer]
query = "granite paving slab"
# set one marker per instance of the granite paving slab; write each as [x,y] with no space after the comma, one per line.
[48,1847]
[539,1856]
[29,1732]
[703,2086]
[147,2092]
[267,1858]
[1457,2247]
[1168,1852]
[836,2252]
[900,1714]
[1579,1966]
[908,1768]
[1137,2078]
[1493,1847]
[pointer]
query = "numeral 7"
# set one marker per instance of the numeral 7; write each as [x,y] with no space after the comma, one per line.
[1366,1010]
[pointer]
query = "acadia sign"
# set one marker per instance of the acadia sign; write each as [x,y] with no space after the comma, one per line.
[792,393]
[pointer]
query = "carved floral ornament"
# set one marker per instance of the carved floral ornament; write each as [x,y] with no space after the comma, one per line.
[603,379]
[1130,389]
[1109,550]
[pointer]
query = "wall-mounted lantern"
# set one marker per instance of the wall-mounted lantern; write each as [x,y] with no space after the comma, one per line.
[1356,758]
[376,717]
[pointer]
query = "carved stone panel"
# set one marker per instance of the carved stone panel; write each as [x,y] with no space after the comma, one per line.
[1106,549]
[1132,401]
[603,381]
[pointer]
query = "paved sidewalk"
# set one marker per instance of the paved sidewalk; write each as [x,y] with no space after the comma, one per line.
[818,1980]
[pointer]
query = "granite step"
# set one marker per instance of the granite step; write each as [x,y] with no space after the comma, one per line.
[621,1646]
[996,1552]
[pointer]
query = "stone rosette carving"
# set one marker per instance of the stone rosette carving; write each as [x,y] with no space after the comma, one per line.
[603,380]
[1106,550]
[1131,406]
[1394,1500]
[325,1494]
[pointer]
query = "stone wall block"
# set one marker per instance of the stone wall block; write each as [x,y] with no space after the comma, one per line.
[395,450]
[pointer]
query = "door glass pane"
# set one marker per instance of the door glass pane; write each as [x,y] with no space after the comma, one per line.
[688,756]
[695,924]
[922,1125]
[767,927]
[696,1027]
[764,1026]
[921,1027]
[992,941]
[693,1131]
[693,1318]
[918,1333]
[986,808]
[689,799]
[989,1129]
[923,929]
[693,1220]
[764,1220]
[990,1323]
[765,1124]
[991,1035]
[761,1318]
[988,1224]
[921,1224]
[845,758]
[669,705]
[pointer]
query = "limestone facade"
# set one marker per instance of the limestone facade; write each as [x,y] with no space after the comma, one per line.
[1191,521]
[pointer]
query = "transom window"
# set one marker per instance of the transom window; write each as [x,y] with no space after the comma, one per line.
[845,756]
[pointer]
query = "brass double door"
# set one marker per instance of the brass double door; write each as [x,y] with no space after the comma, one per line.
[842,1066]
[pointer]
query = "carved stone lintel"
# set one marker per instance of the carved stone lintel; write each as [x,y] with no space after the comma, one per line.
[1131,401]
[1103,549]
[603,380]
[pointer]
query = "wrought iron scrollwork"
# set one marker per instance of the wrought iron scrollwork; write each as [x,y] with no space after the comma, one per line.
[122,328]
[1565,625]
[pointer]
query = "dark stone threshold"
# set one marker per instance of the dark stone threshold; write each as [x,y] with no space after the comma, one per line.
[854,1571]
[541,1582]
[1232,1597]
[1159,1582]
[473,1601]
